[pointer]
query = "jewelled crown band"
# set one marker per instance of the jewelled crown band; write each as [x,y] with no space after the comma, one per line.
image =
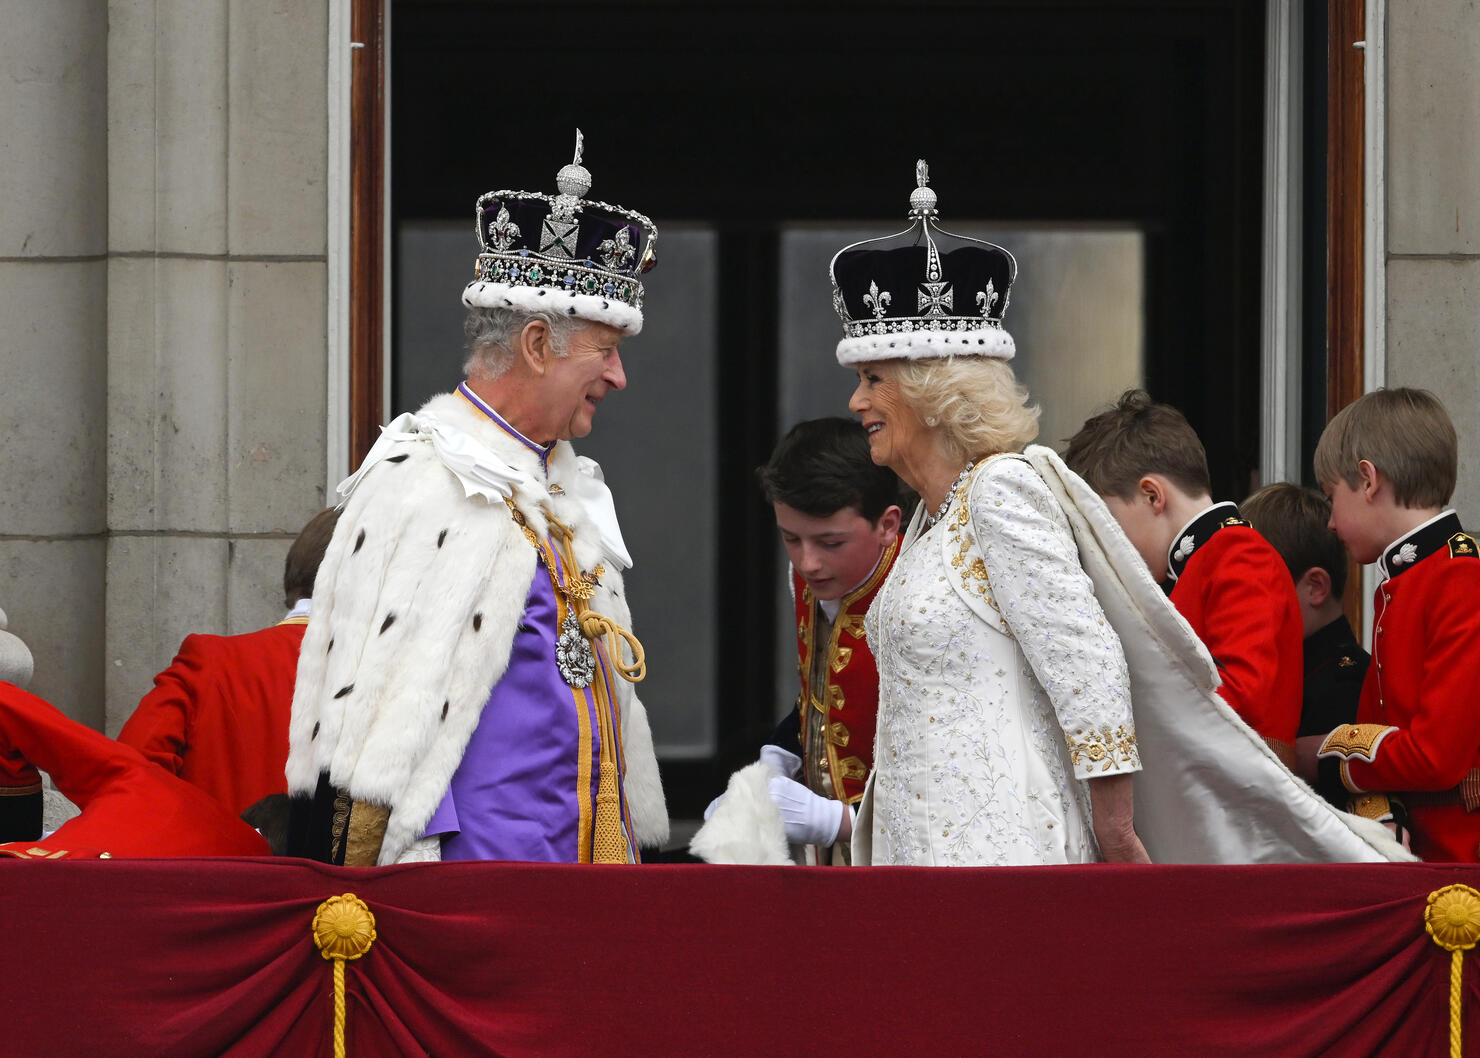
[923,293]
[562,252]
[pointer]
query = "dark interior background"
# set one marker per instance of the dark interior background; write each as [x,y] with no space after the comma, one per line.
[747,115]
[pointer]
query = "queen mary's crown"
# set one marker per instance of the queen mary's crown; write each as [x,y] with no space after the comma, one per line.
[922,293]
[562,252]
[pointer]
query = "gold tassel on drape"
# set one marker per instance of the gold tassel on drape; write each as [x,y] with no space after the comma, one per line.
[1452,919]
[344,929]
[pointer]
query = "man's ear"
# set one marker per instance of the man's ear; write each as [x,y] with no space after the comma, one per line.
[1313,586]
[888,524]
[533,347]
[1153,490]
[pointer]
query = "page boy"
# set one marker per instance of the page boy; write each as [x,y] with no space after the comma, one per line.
[1296,521]
[839,517]
[1148,464]
[1389,462]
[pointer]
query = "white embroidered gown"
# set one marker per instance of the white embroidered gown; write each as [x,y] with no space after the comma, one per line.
[1002,687]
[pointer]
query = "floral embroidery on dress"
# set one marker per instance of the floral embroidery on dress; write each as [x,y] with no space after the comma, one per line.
[1102,749]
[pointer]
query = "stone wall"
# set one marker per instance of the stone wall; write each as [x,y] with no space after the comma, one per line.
[217,155]
[53,341]
[1433,215]
[162,327]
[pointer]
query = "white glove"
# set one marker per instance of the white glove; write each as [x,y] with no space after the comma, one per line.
[782,762]
[808,818]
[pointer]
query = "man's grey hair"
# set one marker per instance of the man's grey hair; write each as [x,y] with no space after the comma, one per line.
[491,334]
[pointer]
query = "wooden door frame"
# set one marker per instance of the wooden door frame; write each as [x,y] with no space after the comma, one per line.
[1346,223]
[368,296]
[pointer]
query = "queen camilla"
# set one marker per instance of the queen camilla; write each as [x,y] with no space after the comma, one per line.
[1005,733]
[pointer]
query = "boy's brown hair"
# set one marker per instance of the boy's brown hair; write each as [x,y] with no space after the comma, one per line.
[1405,433]
[1115,449]
[1294,520]
[302,565]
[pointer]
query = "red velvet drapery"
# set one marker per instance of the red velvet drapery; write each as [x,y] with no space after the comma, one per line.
[208,957]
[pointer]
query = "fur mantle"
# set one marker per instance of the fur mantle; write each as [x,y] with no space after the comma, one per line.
[415,610]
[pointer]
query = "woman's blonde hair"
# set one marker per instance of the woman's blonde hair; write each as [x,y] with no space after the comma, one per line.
[976,402]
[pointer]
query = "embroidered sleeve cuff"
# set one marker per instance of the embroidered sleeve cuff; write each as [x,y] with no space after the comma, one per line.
[1372,806]
[1355,742]
[1103,751]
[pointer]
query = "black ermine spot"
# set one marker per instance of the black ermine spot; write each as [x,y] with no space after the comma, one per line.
[359,542]
[344,690]
[444,709]
[441,537]
[390,619]
[315,733]
[400,458]
[330,646]
[477,621]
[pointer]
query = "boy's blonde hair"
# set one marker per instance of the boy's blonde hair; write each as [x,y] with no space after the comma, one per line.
[978,403]
[1405,433]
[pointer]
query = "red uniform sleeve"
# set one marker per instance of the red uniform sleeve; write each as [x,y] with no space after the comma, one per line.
[160,726]
[1440,742]
[1251,625]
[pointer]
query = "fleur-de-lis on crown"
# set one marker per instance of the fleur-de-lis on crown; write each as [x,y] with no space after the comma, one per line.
[987,299]
[503,231]
[876,300]
[617,253]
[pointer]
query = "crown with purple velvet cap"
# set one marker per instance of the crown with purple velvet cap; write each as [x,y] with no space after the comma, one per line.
[562,253]
[923,293]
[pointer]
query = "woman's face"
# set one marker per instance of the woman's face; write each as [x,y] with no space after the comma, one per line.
[895,433]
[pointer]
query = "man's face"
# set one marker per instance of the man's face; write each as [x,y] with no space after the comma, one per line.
[834,554]
[575,383]
[1147,531]
[1351,520]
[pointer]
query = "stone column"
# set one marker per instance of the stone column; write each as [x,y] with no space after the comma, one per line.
[53,345]
[1433,216]
[217,155]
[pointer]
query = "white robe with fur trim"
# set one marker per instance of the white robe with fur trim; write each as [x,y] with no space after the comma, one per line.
[415,609]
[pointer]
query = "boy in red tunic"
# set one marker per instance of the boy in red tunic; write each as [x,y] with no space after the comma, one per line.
[1389,463]
[218,716]
[1148,464]
[839,516]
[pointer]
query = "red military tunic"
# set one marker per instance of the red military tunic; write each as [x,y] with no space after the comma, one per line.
[836,731]
[1236,592]
[1418,723]
[218,716]
[129,806]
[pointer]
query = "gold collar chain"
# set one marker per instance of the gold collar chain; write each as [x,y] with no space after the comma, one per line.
[578,588]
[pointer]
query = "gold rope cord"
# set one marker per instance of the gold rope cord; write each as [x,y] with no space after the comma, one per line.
[1452,919]
[343,928]
[594,625]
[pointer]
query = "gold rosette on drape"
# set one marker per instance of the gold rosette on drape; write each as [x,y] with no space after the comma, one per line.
[1452,919]
[343,928]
